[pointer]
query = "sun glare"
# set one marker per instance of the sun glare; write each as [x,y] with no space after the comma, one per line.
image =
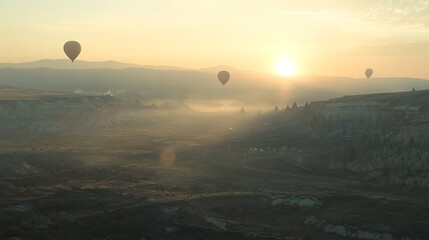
[286,68]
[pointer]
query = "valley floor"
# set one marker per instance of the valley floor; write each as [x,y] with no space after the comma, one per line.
[147,183]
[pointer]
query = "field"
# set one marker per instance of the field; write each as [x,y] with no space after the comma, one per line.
[191,176]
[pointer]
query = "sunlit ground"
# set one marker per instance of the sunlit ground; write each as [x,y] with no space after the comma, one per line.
[228,106]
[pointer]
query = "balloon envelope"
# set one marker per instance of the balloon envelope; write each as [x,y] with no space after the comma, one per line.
[369,72]
[72,49]
[223,77]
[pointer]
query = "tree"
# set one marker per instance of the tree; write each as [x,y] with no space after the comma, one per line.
[242,111]
[276,109]
[294,106]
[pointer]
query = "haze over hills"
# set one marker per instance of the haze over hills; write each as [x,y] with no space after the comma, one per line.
[17,94]
[110,64]
[81,64]
[150,82]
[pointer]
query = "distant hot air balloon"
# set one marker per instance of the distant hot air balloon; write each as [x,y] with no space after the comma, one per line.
[369,72]
[72,49]
[223,77]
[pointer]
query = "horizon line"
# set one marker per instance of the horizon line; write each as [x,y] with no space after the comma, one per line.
[181,68]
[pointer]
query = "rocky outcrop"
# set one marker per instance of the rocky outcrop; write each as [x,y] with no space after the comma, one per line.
[25,217]
[216,222]
[58,116]
[348,231]
[296,201]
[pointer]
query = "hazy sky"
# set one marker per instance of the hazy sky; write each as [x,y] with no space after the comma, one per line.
[326,37]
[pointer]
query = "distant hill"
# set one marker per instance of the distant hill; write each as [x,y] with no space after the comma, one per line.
[79,64]
[8,93]
[218,68]
[411,98]
[177,83]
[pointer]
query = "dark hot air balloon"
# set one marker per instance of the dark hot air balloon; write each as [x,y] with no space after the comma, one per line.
[369,72]
[223,77]
[72,49]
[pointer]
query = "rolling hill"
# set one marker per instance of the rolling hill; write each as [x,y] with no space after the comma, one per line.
[178,83]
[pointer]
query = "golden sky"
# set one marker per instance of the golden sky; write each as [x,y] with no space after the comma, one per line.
[324,37]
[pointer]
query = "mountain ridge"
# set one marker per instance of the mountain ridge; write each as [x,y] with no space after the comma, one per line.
[112,64]
[194,83]
[82,64]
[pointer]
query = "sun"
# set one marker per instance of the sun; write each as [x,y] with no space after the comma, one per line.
[286,68]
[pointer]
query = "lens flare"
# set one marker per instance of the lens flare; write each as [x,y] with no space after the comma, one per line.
[168,157]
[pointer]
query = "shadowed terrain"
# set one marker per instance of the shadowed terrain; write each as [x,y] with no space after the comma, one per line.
[132,171]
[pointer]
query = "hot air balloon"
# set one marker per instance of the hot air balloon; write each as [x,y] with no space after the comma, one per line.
[369,72]
[223,77]
[72,49]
